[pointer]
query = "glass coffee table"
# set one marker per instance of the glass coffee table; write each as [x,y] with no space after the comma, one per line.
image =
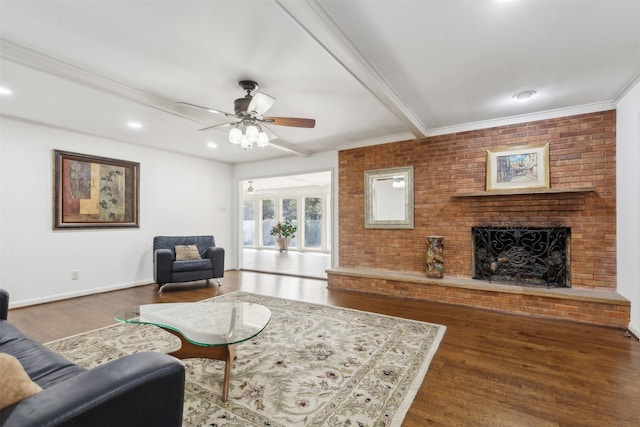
[206,329]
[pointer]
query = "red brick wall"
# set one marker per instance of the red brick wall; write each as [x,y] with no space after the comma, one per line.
[581,154]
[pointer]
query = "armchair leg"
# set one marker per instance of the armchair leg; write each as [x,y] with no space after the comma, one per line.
[219,282]
[161,287]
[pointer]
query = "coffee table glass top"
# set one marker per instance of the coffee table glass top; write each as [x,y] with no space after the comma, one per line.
[203,323]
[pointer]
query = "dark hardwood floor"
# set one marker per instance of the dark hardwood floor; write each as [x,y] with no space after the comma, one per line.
[491,369]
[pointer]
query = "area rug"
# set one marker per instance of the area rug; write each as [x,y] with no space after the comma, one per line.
[313,365]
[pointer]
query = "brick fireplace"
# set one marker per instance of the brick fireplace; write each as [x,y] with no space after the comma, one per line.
[450,199]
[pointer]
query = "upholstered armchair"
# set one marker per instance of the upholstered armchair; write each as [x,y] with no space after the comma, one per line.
[185,259]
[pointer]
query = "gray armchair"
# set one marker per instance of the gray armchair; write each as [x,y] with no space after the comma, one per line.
[208,262]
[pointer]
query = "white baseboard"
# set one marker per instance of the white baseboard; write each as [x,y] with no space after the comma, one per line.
[635,331]
[82,293]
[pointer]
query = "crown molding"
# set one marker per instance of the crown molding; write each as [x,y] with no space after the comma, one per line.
[524,118]
[627,88]
[42,62]
[378,141]
[486,124]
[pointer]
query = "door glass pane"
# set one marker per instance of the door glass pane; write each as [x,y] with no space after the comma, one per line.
[313,222]
[268,221]
[328,224]
[290,212]
[249,224]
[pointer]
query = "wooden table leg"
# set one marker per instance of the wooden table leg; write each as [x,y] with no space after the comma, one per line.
[225,353]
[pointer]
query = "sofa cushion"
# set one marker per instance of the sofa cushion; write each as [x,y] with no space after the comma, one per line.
[15,383]
[170,242]
[187,253]
[43,366]
[200,264]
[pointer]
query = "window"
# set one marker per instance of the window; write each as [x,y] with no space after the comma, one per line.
[268,221]
[290,212]
[308,208]
[312,222]
[249,224]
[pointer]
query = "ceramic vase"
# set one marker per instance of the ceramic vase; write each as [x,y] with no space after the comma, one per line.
[282,243]
[435,256]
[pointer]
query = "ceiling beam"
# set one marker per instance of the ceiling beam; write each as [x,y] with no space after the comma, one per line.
[314,19]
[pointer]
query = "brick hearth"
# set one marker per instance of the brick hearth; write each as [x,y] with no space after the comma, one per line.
[584,306]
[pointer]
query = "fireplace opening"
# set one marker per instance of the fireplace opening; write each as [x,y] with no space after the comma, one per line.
[531,256]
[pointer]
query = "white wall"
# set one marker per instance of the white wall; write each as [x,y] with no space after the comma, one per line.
[281,167]
[628,201]
[179,195]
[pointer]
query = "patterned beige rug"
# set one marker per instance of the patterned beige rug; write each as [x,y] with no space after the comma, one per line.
[313,365]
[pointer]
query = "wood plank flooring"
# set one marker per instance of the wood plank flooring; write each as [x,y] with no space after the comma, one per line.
[491,369]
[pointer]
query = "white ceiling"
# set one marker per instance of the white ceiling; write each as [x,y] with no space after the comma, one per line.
[368,71]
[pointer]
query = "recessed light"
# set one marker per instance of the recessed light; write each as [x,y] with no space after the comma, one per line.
[525,95]
[135,125]
[5,91]
[212,145]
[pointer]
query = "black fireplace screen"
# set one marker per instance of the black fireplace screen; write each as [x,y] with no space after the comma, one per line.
[534,256]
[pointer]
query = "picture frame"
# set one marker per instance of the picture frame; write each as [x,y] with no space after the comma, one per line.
[95,192]
[511,168]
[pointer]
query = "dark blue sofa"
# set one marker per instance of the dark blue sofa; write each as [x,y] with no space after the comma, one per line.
[143,389]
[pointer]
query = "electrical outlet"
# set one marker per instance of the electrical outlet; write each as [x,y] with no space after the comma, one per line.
[75,275]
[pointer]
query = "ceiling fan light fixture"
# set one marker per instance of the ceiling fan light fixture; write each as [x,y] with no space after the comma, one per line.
[235,135]
[251,131]
[245,142]
[246,135]
[263,139]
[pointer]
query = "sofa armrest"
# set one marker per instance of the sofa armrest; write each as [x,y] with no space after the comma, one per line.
[216,255]
[4,304]
[141,389]
[162,259]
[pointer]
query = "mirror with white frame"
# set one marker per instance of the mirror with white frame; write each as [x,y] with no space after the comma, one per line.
[388,195]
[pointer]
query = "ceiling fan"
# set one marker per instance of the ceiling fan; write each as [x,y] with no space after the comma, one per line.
[252,190]
[249,110]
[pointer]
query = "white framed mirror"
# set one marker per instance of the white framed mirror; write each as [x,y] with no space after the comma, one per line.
[388,198]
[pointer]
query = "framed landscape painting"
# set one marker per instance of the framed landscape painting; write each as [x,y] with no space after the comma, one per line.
[95,192]
[510,168]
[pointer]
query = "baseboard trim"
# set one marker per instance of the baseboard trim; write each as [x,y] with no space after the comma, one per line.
[76,294]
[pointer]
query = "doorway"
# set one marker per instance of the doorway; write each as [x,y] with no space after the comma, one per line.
[302,199]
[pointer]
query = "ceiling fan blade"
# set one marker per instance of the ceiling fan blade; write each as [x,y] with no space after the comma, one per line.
[291,121]
[216,126]
[260,103]
[211,110]
[269,133]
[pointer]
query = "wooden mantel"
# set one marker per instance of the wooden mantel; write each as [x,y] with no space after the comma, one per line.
[519,192]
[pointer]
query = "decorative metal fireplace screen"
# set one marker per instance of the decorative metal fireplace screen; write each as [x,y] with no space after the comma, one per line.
[535,256]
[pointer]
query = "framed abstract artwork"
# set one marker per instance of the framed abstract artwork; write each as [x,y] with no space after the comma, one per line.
[510,168]
[94,192]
